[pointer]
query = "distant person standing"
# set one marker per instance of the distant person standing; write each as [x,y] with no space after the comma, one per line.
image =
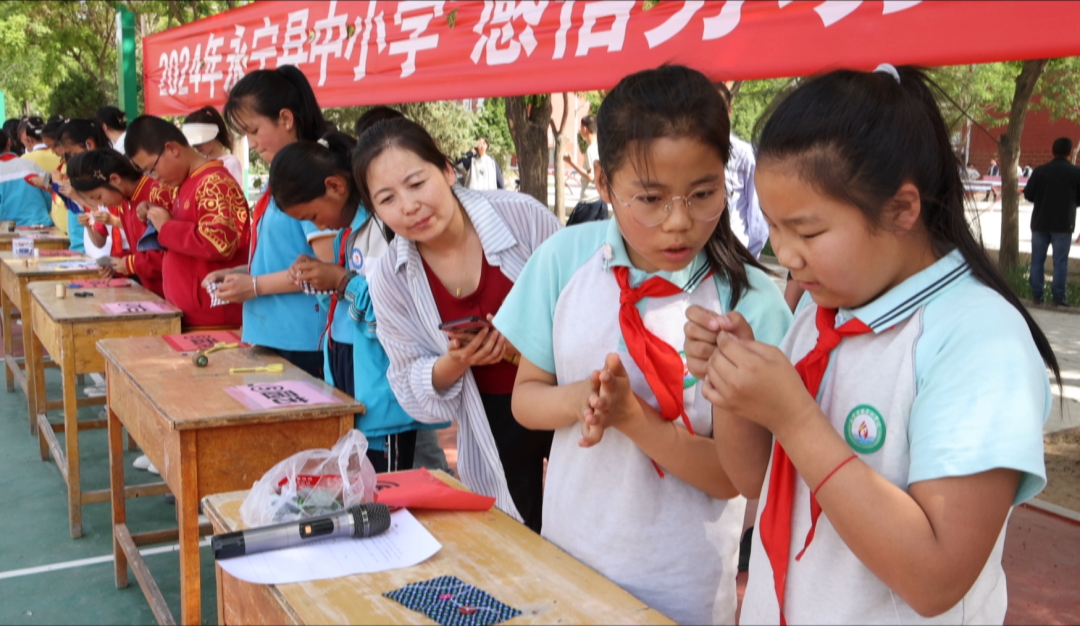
[1054,188]
[1026,173]
[744,210]
[590,208]
[992,171]
[483,171]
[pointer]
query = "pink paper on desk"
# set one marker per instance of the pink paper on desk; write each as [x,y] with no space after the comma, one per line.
[280,394]
[417,489]
[189,342]
[120,308]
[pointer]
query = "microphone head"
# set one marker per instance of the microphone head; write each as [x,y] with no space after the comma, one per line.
[370,519]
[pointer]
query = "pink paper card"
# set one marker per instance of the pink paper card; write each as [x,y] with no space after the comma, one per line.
[189,342]
[120,308]
[280,394]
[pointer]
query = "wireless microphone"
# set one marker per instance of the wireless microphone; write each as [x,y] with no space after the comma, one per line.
[360,521]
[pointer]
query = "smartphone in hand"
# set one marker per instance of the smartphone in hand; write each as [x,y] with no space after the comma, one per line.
[464,325]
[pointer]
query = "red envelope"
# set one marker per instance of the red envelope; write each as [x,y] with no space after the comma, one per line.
[417,489]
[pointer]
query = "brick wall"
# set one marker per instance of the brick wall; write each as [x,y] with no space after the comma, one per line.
[1039,136]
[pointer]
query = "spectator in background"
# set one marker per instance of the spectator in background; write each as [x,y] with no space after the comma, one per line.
[114,122]
[971,173]
[205,130]
[992,171]
[482,172]
[1054,188]
[747,222]
[590,208]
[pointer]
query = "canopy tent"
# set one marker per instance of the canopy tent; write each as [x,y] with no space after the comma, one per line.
[387,51]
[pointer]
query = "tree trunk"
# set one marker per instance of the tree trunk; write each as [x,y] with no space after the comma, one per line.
[528,118]
[561,144]
[734,89]
[1009,150]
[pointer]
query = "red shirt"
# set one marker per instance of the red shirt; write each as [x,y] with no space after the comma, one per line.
[208,231]
[145,265]
[497,378]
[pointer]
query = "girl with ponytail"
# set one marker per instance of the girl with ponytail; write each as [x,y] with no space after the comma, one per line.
[275,108]
[888,458]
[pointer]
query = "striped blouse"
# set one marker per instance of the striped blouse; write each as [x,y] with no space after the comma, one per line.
[511,226]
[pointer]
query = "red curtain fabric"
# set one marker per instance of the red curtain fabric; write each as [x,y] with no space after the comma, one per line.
[372,52]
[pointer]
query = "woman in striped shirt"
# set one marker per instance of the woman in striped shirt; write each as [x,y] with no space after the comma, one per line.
[457,253]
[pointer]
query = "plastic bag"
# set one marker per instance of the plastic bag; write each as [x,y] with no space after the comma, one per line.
[313,483]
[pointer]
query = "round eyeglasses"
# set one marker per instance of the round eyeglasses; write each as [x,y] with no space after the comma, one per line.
[650,208]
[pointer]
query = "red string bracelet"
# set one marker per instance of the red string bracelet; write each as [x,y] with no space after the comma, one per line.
[835,470]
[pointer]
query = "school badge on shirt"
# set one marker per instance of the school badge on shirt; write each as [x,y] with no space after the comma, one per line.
[357,258]
[865,429]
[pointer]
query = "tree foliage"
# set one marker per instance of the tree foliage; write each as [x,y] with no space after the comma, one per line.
[78,95]
[491,124]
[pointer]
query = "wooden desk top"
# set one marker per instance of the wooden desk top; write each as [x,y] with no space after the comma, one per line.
[45,266]
[72,309]
[191,397]
[487,549]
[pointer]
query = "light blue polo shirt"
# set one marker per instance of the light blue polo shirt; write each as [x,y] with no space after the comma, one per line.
[606,505]
[949,383]
[288,321]
[356,260]
[21,202]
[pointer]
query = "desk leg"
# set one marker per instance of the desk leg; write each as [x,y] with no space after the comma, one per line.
[187,506]
[71,436]
[32,364]
[119,504]
[35,391]
[9,348]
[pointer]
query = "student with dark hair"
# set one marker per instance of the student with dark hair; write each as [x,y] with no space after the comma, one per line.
[73,137]
[275,108]
[11,127]
[598,317]
[374,115]
[889,456]
[110,179]
[590,206]
[21,201]
[114,122]
[205,229]
[1054,188]
[206,131]
[314,182]
[455,254]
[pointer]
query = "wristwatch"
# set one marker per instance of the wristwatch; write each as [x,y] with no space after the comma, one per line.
[344,283]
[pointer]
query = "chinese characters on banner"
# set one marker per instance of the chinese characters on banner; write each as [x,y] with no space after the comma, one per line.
[388,51]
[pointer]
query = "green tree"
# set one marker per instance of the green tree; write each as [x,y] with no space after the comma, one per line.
[751,100]
[23,74]
[528,118]
[78,95]
[491,125]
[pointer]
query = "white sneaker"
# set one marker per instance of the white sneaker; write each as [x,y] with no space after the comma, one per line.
[143,462]
[153,470]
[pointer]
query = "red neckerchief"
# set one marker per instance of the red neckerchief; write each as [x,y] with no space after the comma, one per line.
[775,526]
[658,361]
[256,216]
[334,296]
[8,156]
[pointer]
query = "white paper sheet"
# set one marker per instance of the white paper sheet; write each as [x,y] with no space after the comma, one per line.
[405,544]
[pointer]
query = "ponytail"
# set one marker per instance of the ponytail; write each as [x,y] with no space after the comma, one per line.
[858,136]
[299,171]
[268,92]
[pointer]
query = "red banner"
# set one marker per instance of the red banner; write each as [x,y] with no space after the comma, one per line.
[384,51]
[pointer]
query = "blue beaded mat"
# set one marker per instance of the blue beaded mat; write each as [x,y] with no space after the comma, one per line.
[452,602]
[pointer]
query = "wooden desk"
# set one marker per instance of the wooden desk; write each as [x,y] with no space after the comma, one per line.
[15,275]
[488,549]
[46,239]
[203,441]
[69,329]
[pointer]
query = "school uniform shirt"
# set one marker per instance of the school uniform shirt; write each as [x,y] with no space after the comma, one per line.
[284,321]
[355,323]
[949,383]
[510,225]
[51,162]
[668,543]
[21,202]
[208,231]
[144,264]
[744,209]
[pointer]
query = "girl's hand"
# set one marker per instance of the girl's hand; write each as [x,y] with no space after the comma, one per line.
[142,210]
[321,276]
[119,265]
[702,329]
[66,189]
[107,218]
[157,216]
[215,276]
[106,271]
[84,219]
[487,347]
[591,434]
[615,405]
[757,382]
[236,288]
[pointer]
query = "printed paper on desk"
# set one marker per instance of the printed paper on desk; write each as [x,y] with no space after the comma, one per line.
[280,394]
[100,283]
[407,543]
[417,489]
[120,308]
[70,265]
[189,342]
